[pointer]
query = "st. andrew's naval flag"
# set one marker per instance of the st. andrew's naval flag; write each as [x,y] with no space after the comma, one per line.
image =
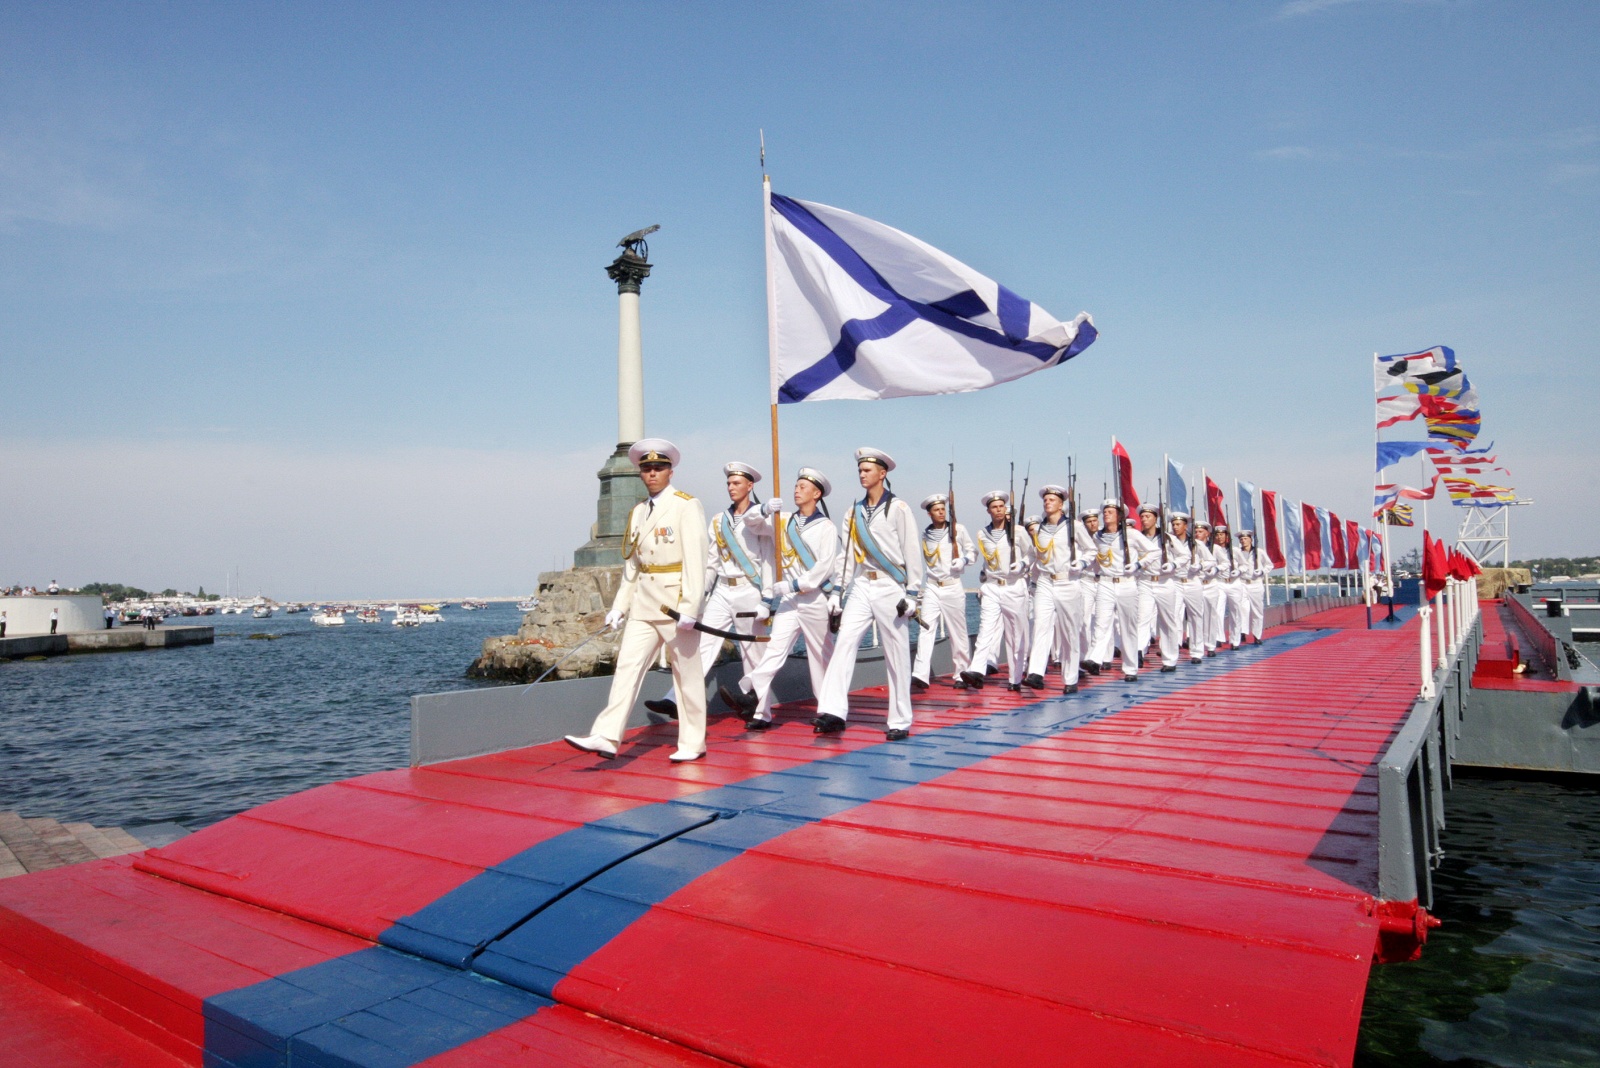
[860,311]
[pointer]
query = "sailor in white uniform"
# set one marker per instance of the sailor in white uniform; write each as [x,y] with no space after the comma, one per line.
[1090,518]
[1194,555]
[1254,567]
[808,544]
[1231,579]
[1062,551]
[882,579]
[944,598]
[1166,587]
[1216,598]
[1149,522]
[1003,595]
[1119,555]
[663,566]
[738,566]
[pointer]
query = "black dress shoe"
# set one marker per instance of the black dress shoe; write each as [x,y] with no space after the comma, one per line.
[961,683]
[918,686]
[1195,659]
[1091,667]
[756,724]
[1165,667]
[972,679]
[1014,687]
[897,735]
[827,724]
[663,707]
[991,670]
[1130,678]
[1033,682]
[741,702]
[1083,673]
[1070,689]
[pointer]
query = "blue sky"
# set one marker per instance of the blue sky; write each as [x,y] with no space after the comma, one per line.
[317,291]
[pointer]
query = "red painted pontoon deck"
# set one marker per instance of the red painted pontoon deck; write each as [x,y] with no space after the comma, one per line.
[1179,871]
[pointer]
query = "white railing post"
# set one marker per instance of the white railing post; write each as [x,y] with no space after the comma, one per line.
[1427,652]
[1443,638]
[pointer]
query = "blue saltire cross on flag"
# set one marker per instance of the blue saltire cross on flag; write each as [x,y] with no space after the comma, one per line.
[860,311]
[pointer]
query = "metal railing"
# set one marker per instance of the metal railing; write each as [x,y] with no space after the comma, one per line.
[1415,770]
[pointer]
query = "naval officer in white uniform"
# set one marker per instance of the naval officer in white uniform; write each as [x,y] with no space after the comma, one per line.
[1002,595]
[882,578]
[738,566]
[808,544]
[663,566]
[944,598]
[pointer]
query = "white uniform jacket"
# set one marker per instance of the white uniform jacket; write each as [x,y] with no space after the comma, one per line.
[936,555]
[747,532]
[821,539]
[894,530]
[1005,560]
[1063,551]
[663,557]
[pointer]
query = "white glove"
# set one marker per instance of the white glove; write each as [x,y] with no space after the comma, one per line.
[783,588]
[835,606]
[763,613]
[1168,568]
[615,619]
[686,622]
[958,565]
[773,506]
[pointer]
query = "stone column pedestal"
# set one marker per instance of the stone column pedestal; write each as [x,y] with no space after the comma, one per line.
[620,490]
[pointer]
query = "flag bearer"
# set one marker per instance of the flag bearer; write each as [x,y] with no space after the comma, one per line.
[738,566]
[809,546]
[1190,572]
[1254,567]
[1003,595]
[882,577]
[1090,517]
[944,598]
[1167,587]
[1060,554]
[1119,555]
[1149,522]
[1216,599]
[1226,555]
[663,566]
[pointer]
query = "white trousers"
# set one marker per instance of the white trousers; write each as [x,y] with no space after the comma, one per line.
[798,615]
[1002,615]
[1216,609]
[871,601]
[641,642]
[1057,624]
[1169,604]
[945,609]
[1255,602]
[1090,590]
[1147,613]
[1233,590]
[1116,618]
[722,611]
[1194,616]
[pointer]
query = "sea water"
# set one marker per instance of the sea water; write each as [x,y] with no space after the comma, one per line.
[196,734]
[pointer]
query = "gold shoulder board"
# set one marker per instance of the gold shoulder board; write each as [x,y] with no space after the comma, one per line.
[684,495]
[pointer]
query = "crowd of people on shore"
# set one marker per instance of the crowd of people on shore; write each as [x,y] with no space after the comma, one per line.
[32,591]
[1075,590]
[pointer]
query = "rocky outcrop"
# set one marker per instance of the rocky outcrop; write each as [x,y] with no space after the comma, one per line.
[572,606]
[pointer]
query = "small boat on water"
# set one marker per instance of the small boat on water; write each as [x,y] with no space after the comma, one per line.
[407,617]
[262,611]
[328,618]
[528,605]
[368,615]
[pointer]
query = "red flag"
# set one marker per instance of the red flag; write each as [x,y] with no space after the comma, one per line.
[1216,511]
[1433,564]
[1336,542]
[1269,513]
[1124,467]
[1313,536]
[1352,531]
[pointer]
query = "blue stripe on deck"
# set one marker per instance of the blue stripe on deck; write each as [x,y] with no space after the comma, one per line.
[529,921]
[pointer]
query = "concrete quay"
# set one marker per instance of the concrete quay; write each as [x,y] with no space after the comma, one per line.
[118,640]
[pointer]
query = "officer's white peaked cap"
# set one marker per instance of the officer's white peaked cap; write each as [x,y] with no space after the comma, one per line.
[653,451]
[996,495]
[737,468]
[932,499]
[875,456]
[1059,491]
[818,479]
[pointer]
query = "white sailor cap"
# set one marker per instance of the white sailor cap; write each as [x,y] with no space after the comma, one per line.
[1202,525]
[1089,513]
[996,495]
[736,468]
[1152,509]
[866,455]
[1112,502]
[1033,521]
[1178,515]
[932,499]
[1221,528]
[653,451]
[1247,533]
[817,479]
[1059,491]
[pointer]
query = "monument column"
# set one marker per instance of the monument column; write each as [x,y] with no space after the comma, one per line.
[620,488]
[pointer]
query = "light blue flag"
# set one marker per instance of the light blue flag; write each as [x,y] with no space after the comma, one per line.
[1296,549]
[1177,491]
[1247,506]
[1327,539]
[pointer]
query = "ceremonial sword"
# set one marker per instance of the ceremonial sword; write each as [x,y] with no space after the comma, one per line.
[731,635]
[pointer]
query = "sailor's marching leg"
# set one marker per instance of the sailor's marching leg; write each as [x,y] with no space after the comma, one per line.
[1168,589]
[946,555]
[1149,523]
[1058,561]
